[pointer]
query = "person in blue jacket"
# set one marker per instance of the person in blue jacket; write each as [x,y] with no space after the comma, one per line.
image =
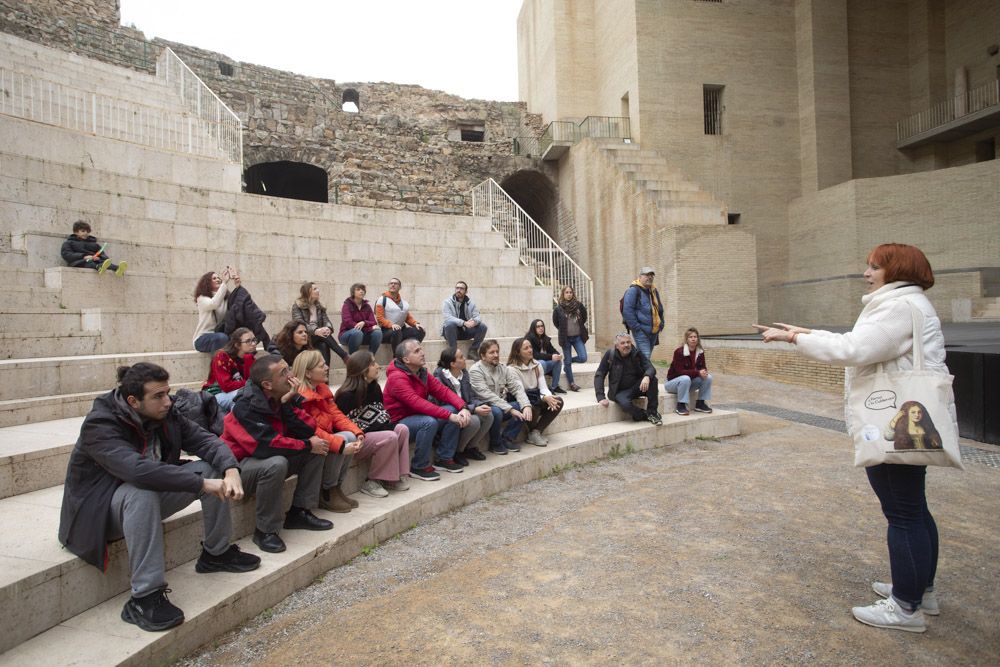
[642,311]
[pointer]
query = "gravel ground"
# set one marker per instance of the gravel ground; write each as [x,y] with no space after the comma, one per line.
[748,550]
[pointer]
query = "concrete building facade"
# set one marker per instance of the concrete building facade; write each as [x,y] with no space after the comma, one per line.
[797,117]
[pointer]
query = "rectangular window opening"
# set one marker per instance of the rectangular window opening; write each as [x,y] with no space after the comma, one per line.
[712,95]
[733,218]
[225,69]
[473,135]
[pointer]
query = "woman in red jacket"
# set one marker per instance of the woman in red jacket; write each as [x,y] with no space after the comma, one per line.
[343,435]
[231,368]
[688,371]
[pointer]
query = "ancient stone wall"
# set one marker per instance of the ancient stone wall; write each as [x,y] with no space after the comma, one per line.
[403,149]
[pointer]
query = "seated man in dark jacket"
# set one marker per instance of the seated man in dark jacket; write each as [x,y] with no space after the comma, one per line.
[630,375]
[125,476]
[274,438]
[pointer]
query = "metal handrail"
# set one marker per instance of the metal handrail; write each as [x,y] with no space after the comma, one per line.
[597,127]
[27,96]
[224,125]
[942,113]
[551,265]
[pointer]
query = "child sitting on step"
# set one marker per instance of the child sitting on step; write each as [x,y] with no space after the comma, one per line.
[82,250]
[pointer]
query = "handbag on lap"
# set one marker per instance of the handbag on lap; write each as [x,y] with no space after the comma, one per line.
[905,416]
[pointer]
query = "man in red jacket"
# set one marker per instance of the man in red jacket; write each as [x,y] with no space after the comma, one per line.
[273,438]
[407,386]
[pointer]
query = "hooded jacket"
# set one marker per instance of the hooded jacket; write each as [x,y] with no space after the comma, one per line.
[111,451]
[407,393]
[451,309]
[637,310]
[255,429]
[74,249]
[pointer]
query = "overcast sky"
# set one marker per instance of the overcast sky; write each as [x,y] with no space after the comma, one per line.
[465,47]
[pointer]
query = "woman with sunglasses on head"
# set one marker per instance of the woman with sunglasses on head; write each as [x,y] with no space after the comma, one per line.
[308,308]
[231,368]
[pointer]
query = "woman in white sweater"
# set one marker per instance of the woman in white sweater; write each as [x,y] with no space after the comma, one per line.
[897,276]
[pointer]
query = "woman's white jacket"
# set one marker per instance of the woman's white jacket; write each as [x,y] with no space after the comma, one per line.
[882,334]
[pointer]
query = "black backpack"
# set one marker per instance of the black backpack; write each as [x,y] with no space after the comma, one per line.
[621,305]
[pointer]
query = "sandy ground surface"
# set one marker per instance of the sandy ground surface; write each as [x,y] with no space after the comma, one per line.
[747,550]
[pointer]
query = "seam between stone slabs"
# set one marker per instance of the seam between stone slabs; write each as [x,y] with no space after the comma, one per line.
[970,454]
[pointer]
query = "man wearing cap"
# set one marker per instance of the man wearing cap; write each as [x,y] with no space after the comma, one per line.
[642,311]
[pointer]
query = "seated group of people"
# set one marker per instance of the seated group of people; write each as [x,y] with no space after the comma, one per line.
[224,306]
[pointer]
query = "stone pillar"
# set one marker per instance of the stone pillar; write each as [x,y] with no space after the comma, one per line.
[824,92]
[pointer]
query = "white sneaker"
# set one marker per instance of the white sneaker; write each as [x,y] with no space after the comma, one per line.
[929,605]
[373,488]
[401,485]
[535,438]
[887,614]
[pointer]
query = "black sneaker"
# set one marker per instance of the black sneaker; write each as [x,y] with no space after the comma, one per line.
[474,454]
[448,465]
[427,474]
[682,409]
[702,406]
[152,612]
[511,446]
[498,449]
[461,460]
[654,417]
[558,390]
[230,560]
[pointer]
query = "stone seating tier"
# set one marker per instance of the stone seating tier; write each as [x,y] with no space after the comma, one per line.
[33,455]
[51,586]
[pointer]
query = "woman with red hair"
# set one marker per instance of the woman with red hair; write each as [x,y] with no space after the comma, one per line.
[897,276]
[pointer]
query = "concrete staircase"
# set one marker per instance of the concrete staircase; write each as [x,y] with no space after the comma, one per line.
[681,202]
[173,217]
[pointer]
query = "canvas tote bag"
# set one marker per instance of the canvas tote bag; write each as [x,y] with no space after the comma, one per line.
[903,416]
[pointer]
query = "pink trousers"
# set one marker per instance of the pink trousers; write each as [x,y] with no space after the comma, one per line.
[389,452]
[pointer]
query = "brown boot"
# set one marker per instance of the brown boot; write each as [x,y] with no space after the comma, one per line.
[332,500]
[343,496]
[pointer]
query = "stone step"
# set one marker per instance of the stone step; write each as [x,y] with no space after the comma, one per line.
[23,48]
[276,261]
[128,332]
[688,213]
[55,144]
[60,599]
[653,181]
[23,298]
[34,455]
[986,309]
[252,213]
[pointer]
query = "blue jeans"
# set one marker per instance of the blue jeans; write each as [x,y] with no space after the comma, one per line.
[551,367]
[912,534]
[499,430]
[211,342]
[354,338]
[682,386]
[226,399]
[423,430]
[575,343]
[644,342]
[454,332]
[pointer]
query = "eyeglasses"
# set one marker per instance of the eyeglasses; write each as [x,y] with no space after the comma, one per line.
[247,341]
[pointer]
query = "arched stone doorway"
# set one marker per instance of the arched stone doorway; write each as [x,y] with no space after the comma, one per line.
[293,180]
[536,194]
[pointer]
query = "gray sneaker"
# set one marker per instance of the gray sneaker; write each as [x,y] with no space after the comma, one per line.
[887,614]
[373,488]
[401,485]
[929,605]
[535,438]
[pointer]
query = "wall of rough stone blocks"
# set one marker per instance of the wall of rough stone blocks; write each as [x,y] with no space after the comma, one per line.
[102,12]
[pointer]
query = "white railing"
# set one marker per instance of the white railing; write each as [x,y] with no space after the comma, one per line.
[34,98]
[977,99]
[210,111]
[552,266]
